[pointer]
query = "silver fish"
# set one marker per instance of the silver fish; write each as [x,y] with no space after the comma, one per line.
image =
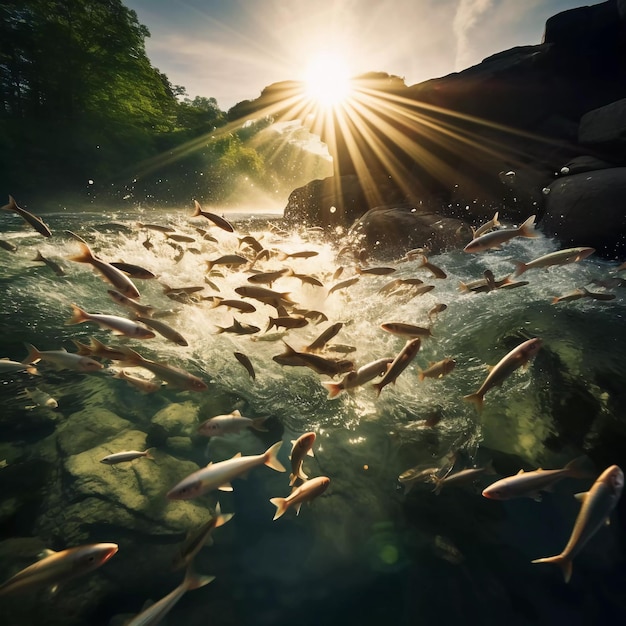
[36,222]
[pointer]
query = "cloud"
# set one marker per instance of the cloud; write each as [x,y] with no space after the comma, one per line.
[467,16]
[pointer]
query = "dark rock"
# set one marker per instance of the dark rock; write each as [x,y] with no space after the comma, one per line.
[588,209]
[584,163]
[392,231]
[605,127]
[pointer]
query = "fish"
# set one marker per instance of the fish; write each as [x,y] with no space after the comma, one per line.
[219,475]
[361,376]
[466,475]
[406,330]
[240,305]
[230,423]
[7,366]
[267,278]
[111,274]
[205,235]
[305,279]
[180,238]
[251,241]
[157,611]
[238,328]
[318,344]
[40,398]
[98,349]
[302,446]
[531,484]
[126,456]
[157,227]
[399,364]
[145,386]
[245,361]
[438,369]
[56,568]
[486,227]
[438,308]
[136,271]
[517,357]
[560,257]
[189,289]
[300,254]
[174,376]
[329,367]
[496,238]
[220,222]
[287,322]
[55,267]
[163,329]
[36,222]
[436,271]
[343,285]
[118,325]
[197,539]
[597,505]
[62,359]
[374,271]
[141,309]
[576,294]
[415,475]
[7,245]
[304,493]
[267,296]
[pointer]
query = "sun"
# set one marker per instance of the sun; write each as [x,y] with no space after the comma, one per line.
[327,80]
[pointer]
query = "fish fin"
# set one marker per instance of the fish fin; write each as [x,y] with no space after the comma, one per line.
[564,563]
[298,508]
[520,268]
[85,256]
[11,206]
[33,356]
[580,467]
[476,399]
[148,454]
[420,374]
[236,456]
[527,229]
[194,581]
[78,316]
[292,479]
[225,487]
[334,389]
[463,287]
[222,518]
[281,506]
[520,472]
[257,424]
[271,459]
[581,497]
[236,413]
[45,553]
[310,452]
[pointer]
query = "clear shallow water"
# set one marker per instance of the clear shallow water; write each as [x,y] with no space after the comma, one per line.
[363,550]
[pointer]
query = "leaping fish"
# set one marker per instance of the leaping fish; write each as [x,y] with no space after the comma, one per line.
[36,222]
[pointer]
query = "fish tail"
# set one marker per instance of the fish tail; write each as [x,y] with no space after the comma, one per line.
[33,354]
[580,467]
[272,322]
[520,268]
[221,518]
[476,399]
[197,210]
[271,459]
[209,265]
[215,302]
[438,484]
[148,454]
[195,581]
[39,257]
[420,374]
[527,229]
[85,256]
[379,387]
[257,424]
[281,506]
[281,256]
[463,287]
[564,563]
[219,330]
[78,316]
[11,206]
[83,349]
[495,220]
[334,389]
[134,358]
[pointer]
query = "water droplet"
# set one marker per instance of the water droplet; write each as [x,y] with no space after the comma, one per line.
[333,209]
[565,170]
[545,191]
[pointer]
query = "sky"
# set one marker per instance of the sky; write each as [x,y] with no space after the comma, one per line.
[232,49]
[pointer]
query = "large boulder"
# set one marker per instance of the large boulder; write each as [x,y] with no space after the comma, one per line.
[588,209]
[390,232]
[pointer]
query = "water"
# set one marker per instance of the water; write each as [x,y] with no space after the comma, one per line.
[363,551]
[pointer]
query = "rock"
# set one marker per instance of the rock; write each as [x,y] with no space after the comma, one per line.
[588,210]
[178,419]
[605,127]
[389,232]
[584,163]
[88,428]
